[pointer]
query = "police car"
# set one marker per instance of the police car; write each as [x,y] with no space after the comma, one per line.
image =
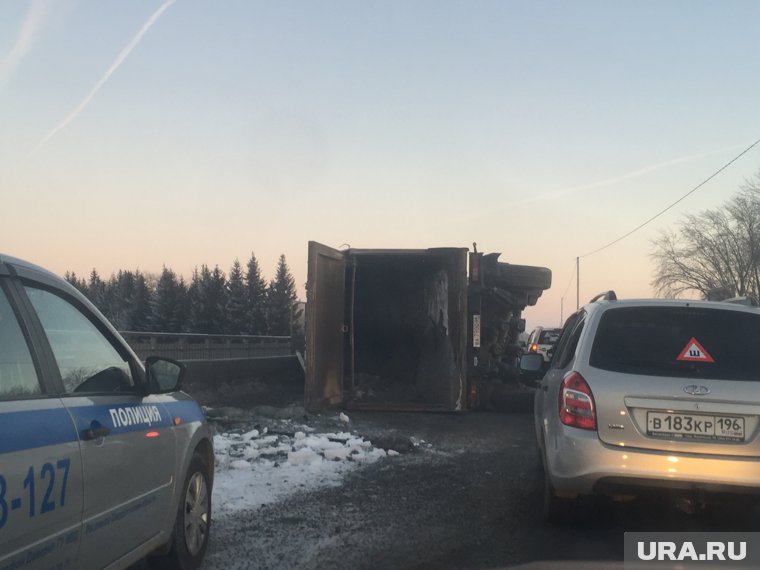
[103,461]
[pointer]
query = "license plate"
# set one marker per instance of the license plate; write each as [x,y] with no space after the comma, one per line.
[695,426]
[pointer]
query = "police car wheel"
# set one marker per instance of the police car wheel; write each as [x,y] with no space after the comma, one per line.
[191,528]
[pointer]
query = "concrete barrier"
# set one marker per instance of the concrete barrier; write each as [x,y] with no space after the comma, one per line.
[243,382]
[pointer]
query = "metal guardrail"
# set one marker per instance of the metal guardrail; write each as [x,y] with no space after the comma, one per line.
[187,346]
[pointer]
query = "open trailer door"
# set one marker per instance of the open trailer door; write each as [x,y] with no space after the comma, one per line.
[325,327]
[408,329]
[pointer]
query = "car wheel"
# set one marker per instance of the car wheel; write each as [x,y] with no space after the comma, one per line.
[557,510]
[193,522]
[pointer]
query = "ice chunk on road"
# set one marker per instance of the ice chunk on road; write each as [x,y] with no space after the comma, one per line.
[318,443]
[254,470]
[338,454]
[367,456]
[251,453]
[269,439]
[305,456]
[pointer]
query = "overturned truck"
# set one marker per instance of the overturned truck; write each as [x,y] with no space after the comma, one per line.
[413,329]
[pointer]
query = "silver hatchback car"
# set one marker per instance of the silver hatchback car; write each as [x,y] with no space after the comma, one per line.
[646,395]
[102,460]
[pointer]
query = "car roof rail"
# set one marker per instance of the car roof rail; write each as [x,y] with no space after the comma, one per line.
[747,300]
[606,296]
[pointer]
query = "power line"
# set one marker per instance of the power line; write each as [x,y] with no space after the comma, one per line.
[689,193]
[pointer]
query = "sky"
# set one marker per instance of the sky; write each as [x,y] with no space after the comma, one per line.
[182,132]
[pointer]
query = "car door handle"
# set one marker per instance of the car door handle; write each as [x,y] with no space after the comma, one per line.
[545,387]
[95,433]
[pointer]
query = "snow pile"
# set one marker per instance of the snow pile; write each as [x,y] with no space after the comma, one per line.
[259,467]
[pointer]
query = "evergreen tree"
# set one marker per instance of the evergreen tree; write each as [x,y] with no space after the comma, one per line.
[194,293]
[281,296]
[79,284]
[168,310]
[119,290]
[208,298]
[183,305]
[126,301]
[237,318]
[140,304]
[218,299]
[96,290]
[108,294]
[210,304]
[256,298]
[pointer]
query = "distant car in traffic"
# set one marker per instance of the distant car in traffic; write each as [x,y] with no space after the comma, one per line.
[103,460]
[542,340]
[650,395]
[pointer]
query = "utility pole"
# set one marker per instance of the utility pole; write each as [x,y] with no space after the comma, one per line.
[561,310]
[577,283]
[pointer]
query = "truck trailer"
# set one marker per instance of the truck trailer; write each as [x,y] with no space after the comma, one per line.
[413,329]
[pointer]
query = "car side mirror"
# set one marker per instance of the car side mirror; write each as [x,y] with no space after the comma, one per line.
[531,366]
[164,374]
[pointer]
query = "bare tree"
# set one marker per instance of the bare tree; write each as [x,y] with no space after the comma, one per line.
[715,249]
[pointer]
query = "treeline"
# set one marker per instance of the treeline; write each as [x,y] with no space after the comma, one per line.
[240,302]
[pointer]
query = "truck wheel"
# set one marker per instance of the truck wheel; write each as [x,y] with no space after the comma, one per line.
[193,522]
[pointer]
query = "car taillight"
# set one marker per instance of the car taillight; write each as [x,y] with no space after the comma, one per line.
[576,403]
[533,348]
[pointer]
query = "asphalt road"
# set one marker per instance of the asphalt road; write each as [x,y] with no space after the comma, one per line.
[471,500]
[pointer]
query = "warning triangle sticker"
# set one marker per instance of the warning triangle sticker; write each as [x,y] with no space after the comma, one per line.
[694,352]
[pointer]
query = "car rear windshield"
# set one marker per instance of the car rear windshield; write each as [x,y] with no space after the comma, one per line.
[549,337]
[687,342]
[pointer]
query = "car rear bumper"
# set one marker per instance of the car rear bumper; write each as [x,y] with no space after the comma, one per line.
[631,486]
[580,464]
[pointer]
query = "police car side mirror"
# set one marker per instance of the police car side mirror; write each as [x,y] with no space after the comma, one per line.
[164,374]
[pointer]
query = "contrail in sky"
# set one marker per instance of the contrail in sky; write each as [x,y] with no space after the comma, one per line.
[114,66]
[33,23]
[629,175]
